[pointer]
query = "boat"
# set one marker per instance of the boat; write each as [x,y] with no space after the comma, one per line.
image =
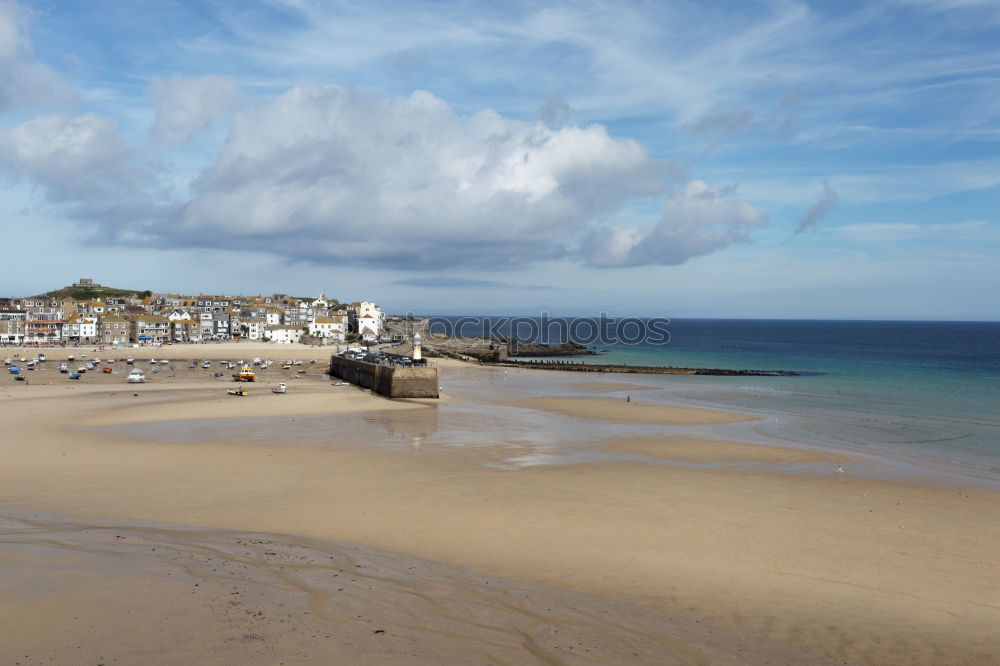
[63,367]
[280,388]
[71,357]
[14,369]
[106,370]
[129,360]
[245,375]
[41,358]
[75,375]
[7,361]
[136,376]
[237,391]
[82,369]
[205,364]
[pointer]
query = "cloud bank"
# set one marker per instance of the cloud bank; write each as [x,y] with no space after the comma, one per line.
[329,176]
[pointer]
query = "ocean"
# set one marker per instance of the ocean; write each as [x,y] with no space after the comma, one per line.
[925,391]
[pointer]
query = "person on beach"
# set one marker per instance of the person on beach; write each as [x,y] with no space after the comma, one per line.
[628,398]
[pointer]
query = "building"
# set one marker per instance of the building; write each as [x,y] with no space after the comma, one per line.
[12,326]
[333,329]
[282,334]
[113,330]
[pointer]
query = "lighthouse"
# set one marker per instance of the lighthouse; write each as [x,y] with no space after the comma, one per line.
[416,347]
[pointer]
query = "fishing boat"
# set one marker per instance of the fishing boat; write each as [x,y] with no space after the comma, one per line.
[280,388]
[246,374]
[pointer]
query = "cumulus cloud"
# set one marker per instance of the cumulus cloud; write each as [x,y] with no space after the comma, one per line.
[335,176]
[818,210]
[329,176]
[697,221]
[84,164]
[185,106]
[25,82]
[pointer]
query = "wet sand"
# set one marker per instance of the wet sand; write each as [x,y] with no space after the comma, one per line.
[616,410]
[691,449]
[690,565]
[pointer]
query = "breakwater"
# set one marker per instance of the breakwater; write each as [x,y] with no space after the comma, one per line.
[393,381]
[644,370]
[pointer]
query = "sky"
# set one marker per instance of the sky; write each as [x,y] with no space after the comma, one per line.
[773,159]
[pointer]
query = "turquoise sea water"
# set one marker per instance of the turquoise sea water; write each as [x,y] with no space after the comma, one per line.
[918,388]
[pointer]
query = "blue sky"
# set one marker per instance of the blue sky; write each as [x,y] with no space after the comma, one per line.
[676,159]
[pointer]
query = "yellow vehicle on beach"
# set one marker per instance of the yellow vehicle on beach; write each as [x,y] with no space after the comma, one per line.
[238,392]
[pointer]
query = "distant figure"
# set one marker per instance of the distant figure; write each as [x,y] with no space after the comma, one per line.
[840,469]
[628,398]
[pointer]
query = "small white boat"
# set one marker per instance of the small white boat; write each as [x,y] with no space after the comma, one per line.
[71,357]
[41,358]
[63,367]
[280,388]
[136,376]
[8,361]
[129,360]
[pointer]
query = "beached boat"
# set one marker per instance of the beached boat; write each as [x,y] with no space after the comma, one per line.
[237,391]
[245,375]
[14,369]
[106,370]
[129,360]
[280,388]
[136,376]
[63,367]
[41,358]
[75,375]
[71,357]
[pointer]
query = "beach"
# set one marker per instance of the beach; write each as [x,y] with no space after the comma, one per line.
[227,537]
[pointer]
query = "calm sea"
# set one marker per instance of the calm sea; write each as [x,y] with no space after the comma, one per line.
[925,389]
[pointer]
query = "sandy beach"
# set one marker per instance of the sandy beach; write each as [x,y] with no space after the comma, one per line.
[142,549]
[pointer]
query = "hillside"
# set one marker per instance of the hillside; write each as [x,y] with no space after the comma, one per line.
[89,292]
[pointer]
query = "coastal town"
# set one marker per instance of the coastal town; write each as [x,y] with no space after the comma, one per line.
[98,315]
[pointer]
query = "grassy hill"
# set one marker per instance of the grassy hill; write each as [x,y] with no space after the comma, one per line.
[90,292]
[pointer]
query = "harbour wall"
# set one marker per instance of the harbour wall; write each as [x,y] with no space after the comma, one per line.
[390,381]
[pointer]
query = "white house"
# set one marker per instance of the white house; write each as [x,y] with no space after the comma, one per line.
[329,328]
[283,334]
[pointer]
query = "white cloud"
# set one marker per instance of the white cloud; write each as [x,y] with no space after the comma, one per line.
[697,221]
[186,106]
[324,174]
[86,167]
[25,82]
[328,176]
